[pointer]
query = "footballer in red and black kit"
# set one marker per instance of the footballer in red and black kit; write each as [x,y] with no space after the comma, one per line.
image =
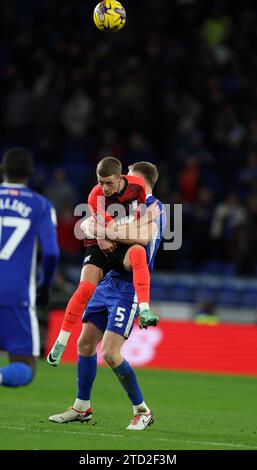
[132,194]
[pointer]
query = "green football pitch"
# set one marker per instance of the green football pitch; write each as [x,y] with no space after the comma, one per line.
[192,411]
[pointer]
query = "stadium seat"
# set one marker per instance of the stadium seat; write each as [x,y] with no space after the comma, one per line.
[248,298]
[212,267]
[227,296]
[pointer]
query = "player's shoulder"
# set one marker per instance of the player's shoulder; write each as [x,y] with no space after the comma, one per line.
[43,202]
[150,199]
[134,180]
[46,209]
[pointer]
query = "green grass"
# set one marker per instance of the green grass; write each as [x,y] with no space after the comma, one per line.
[192,411]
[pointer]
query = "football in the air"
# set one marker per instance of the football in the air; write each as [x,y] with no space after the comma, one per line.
[109,16]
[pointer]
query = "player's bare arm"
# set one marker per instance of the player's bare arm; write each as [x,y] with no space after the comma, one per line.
[139,231]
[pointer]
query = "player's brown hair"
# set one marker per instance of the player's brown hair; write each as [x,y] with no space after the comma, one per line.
[147,170]
[109,166]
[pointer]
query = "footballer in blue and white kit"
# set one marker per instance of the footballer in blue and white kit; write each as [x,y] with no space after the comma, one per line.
[26,218]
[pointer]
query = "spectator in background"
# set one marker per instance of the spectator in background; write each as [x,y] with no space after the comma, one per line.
[111,144]
[47,96]
[227,217]
[252,133]
[215,27]
[78,113]
[200,217]
[139,149]
[188,180]
[246,246]
[60,191]
[18,108]
[247,176]
[71,248]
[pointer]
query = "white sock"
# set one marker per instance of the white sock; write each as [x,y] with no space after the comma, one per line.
[141,408]
[1,378]
[63,337]
[81,405]
[143,306]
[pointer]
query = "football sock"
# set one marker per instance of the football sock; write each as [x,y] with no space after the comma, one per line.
[63,337]
[77,305]
[81,405]
[141,276]
[87,367]
[141,408]
[128,380]
[16,374]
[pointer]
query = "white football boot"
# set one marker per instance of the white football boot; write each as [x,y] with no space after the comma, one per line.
[72,415]
[140,421]
[55,355]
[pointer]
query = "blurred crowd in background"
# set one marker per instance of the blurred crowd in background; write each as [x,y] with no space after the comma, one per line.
[176,87]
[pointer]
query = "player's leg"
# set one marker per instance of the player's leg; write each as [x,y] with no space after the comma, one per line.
[20,371]
[87,367]
[136,260]
[111,351]
[91,275]
[90,336]
[122,311]
[20,338]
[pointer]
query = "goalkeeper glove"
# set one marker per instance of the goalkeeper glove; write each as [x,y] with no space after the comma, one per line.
[147,319]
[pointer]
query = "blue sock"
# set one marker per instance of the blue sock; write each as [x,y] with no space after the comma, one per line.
[16,374]
[86,375]
[128,380]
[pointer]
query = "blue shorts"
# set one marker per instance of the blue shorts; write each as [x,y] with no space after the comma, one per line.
[113,307]
[19,332]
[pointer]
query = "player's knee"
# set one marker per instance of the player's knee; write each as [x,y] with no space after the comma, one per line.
[134,254]
[137,254]
[109,359]
[85,348]
[136,246]
[110,356]
[136,249]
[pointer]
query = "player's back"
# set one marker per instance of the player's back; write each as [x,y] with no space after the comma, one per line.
[22,215]
[154,244]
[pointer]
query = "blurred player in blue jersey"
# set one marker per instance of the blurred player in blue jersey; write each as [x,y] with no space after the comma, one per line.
[110,315]
[25,218]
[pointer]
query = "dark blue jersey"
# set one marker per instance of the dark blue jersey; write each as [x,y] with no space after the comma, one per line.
[25,218]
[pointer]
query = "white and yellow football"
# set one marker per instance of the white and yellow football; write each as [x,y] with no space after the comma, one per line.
[109,16]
